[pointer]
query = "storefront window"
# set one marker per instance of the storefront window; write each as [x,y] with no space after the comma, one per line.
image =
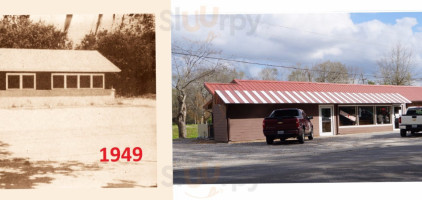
[366,115]
[347,115]
[383,115]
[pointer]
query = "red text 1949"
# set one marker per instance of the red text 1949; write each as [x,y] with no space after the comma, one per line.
[126,154]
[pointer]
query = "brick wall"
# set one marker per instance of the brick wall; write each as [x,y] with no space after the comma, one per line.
[220,123]
[245,120]
[363,129]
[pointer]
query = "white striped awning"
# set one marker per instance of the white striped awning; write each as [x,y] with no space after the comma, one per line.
[307,97]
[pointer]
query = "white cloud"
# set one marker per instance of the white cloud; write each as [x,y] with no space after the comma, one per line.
[287,39]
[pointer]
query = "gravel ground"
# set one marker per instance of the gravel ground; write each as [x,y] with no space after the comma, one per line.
[60,147]
[343,158]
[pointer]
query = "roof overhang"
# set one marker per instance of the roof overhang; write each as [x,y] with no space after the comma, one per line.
[307,97]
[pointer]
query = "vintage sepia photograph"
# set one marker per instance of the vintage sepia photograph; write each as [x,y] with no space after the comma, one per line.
[78,101]
[296,97]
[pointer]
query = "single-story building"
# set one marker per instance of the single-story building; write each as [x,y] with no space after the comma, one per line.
[238,108]
[32,74]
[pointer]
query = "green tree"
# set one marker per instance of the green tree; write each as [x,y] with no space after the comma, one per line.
[19,31]
[130,45]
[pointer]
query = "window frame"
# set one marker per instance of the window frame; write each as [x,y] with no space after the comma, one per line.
[390,111]
[21,81]
[374,116]
[357,125]
[52,81]
[356,113]
[91,79]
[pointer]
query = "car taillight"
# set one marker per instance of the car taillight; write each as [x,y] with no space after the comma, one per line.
[263,124]
[297,123]
[399,120]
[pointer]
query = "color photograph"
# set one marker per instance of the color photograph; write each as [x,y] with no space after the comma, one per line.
[296,97]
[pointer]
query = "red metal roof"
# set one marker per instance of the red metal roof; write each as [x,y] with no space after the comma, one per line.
[256,91]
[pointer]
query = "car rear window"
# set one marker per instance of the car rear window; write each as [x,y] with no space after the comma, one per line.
[414,111]
[285,113]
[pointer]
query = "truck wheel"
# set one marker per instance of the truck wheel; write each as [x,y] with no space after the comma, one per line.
[311,134]
[403,132]
[301,138]
[269,140]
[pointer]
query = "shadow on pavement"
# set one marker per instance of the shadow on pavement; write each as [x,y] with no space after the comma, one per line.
[21,173]
[3,151]
[125,184]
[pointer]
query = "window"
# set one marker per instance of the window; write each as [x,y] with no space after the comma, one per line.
[347,115]
[28,81]
[85,81]
[414,111]
[97,81]
[366,115]
[77,81]
[20,81]
[285,113]
[58,81]
[383,115]
[71,81]
[13,82]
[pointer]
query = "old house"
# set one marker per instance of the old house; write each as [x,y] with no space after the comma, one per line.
[31,74]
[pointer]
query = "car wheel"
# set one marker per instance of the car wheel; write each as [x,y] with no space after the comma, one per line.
[269,140]
[301,138]
[412,132]
[403,132]
[311,134]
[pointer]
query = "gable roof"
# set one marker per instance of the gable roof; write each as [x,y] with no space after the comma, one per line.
[254,91]
[48,60]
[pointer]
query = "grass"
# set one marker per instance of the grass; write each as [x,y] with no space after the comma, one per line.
[192,130]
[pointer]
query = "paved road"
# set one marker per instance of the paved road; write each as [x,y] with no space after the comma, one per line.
[376,157]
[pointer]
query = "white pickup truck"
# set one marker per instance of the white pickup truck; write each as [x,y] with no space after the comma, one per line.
[412,121]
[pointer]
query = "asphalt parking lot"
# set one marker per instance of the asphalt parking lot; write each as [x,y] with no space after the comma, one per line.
[370,157]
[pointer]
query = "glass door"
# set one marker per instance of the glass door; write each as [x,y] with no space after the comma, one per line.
[397,114]
[326,120]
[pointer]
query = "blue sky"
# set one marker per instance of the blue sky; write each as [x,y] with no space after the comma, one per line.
[386,17]
[358,40]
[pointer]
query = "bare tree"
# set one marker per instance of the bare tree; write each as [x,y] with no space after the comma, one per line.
[331,72]
[268,74]
[397,66]
[355,75]
[190,64]
[198,95]
[300,74]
